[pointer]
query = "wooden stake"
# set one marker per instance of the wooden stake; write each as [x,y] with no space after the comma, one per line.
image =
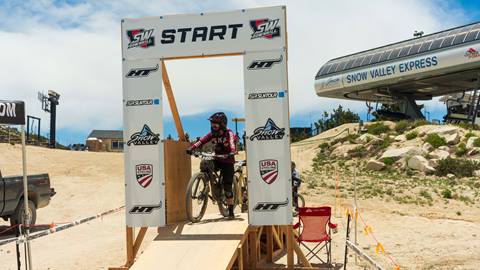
[130,253]
[289,230]
[269,244]
[300,255]
[138,240]
[252,252]
[171,101]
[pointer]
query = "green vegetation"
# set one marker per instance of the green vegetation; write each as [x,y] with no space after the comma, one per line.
[469,134]
[458,167]
[435,140]
[461,149]
[476,142]
[411,135]
[419,122]
[447,193]
[377,128]
[336,118]
[388,161]
[402,126]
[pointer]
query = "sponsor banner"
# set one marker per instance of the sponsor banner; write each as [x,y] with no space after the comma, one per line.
[12,112]
[268,138]
[143,131]
[183,35]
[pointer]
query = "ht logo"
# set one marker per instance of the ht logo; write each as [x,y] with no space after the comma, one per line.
[140,72]
[264,64]
[269,206]
[144,209]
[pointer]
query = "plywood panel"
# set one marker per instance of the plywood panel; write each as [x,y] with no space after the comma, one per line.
[178,170]
[209,244]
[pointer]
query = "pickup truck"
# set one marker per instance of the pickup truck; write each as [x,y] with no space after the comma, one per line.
[11,196]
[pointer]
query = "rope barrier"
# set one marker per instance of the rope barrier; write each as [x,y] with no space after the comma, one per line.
[54,227]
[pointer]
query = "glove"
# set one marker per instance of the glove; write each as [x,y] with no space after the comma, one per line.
[189,151]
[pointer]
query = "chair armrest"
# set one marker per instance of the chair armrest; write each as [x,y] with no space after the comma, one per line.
[332,225]
[296,225]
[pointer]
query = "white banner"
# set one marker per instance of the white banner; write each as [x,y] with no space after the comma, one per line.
[143,148]
[258,29]
[268,138]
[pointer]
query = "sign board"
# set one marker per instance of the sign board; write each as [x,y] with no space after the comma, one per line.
[142,133]
[260,35]
[12,112]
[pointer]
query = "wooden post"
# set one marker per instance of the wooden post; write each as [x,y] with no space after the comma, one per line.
[130,255]
[171,101]
[252,246]
[240,257]
[269,244]
[289,230]
[138,240]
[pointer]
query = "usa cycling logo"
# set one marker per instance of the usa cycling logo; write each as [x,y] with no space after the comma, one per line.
[144,174]
[265,28]
[269,170]
[140,38]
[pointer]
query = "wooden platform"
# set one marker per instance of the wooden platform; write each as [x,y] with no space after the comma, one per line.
[210,244]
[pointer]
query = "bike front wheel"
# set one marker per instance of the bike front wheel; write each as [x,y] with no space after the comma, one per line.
[196,199]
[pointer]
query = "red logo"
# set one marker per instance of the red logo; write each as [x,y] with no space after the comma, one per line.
[265,28]
[269,170]
[142,38]
[472,53]
[144,173]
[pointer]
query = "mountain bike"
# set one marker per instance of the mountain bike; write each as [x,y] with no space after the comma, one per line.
[242,193]
[208,183]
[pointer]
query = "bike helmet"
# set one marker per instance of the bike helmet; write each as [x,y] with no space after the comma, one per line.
[219,118]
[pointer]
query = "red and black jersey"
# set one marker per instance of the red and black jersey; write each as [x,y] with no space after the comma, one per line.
[223,144]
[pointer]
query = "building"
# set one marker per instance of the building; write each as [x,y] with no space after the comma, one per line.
[105,141]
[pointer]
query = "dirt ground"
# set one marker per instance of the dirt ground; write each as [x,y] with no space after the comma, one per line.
[417,237]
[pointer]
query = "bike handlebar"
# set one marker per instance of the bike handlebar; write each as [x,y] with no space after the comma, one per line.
[210,155]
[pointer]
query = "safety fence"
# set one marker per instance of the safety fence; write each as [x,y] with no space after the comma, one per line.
[54,227]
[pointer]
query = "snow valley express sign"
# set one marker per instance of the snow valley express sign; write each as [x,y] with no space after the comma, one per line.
[257,34]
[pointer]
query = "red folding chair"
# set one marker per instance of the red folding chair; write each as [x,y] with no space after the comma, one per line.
[314,226]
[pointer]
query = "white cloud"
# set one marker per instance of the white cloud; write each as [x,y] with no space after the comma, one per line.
[76,51]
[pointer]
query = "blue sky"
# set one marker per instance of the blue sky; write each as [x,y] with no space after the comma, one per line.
[74,47]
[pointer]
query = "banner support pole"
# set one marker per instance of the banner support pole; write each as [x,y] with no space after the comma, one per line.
[26,213]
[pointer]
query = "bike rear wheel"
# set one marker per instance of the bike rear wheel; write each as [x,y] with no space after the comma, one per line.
[197,197]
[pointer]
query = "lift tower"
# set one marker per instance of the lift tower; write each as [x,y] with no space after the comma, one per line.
[49,104]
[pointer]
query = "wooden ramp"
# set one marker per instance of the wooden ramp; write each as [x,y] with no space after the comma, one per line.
[209,244]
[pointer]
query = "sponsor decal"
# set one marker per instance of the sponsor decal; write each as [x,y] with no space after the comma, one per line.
[264,95]
[144,137]
[268,170]
[269,206]
[140,38]
[264,64]
[472,53]
[332,82]
[203,33]
[144,174]
[265,28]
[268,132]
[144,209]
[140,72]
[142,102]
[12,112]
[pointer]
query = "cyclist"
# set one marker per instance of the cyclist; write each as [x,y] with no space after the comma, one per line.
[296,182]
[224,144]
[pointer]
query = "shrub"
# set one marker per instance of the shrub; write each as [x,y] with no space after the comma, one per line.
[323,146]
[419,122]
[377,128]
[359,151]
[457,166]
[386,143]
[461,149]
[435,140]
[468,126]
[476,142]
[469,134]
[402,126]
[447,193]
[388,160]
[411,135]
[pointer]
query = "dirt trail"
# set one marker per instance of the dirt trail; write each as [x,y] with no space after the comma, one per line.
[89,183]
